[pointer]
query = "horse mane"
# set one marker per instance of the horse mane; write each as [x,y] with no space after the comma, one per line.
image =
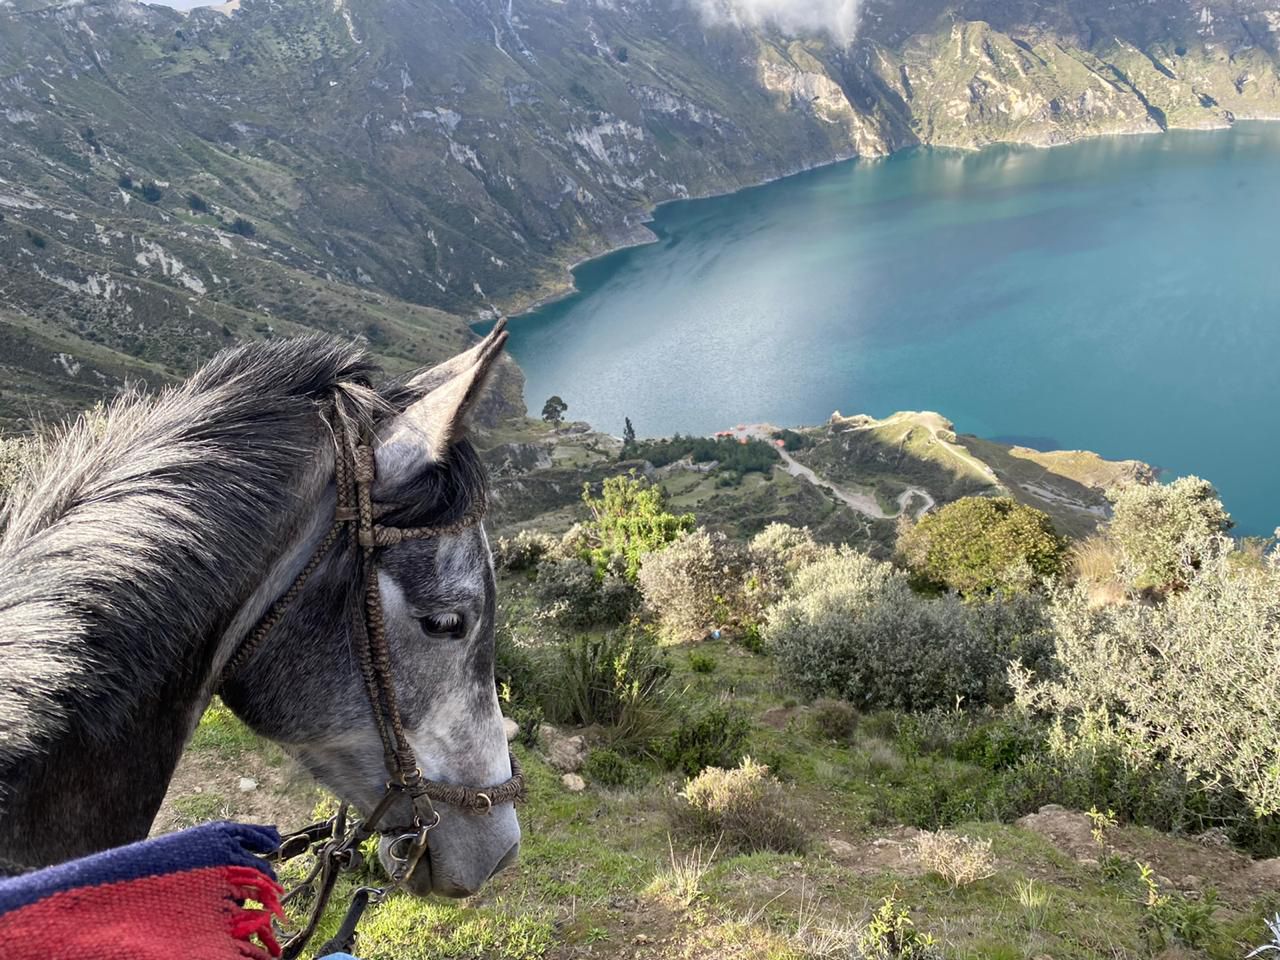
[130,533]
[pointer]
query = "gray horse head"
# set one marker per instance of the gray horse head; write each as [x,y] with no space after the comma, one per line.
[303,688]
[137,555]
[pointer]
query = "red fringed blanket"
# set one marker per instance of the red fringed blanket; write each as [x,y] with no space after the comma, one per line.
[183,895]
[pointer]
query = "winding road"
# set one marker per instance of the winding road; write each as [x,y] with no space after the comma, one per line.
[863,503]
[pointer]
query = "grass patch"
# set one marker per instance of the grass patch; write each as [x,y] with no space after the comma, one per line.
[221,730]
[196,808]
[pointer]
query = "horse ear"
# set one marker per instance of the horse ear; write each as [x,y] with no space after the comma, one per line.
[424,432]
[429,380]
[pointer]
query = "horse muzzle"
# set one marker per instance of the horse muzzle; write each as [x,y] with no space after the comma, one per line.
[463,852]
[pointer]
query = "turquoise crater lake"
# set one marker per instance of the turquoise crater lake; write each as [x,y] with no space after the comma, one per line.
[1119,295]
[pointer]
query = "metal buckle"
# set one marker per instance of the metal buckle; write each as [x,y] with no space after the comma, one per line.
[408,849]
[488,807]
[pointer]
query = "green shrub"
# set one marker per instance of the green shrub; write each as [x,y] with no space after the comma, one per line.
[712,736]
[617,680]
[528,716]
[1171,918]
[702,663]
[744,807]
[1165,531]
[981,544]
[151,192]
[693,585]
[521,671]
[610,768]
[833,719]
[890,935]
[197,203]
[243,227]
[572,596]
[851,627]
[629,520]
[751,638]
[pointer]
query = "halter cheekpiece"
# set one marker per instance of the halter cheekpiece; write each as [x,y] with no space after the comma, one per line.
[336,842]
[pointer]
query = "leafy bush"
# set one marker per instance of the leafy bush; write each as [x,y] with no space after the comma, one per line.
[629,520]
[745,806]
[1191,682]
[617,680]
[710,736]
[774,556]
[981,544]
[1166,531]
[524,551]
[1171,918]
[692,585]
[957,859]
[573,597]
[243,227]
[197,203]
[833,719]
[609,768]
[151,192]
[890,935]
[702,663]
[528,717]
[851,627]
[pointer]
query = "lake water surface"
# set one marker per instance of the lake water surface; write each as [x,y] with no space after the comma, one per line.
[1119,295]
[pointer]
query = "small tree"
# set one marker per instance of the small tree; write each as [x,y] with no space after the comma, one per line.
[1167,531]
[197,203]
[243,227]
[630,519]
[981,544]
[553,410]
[151,192]
[628,434]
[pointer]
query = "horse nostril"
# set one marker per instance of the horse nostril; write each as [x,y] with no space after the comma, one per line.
[507,860]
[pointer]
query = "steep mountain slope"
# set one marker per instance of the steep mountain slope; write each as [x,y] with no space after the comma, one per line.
[396,168]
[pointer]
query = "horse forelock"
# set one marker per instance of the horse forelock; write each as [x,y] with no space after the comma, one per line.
[131,538]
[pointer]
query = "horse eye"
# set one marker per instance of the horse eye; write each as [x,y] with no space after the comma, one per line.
[443,624]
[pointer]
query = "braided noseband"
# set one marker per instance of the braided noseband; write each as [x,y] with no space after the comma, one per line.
[356,515]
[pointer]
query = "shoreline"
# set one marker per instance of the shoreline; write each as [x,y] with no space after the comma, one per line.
[570,287]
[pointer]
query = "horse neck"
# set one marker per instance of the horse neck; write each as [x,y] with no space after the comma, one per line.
[101,781]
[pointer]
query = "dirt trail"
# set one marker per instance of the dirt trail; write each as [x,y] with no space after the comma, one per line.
[863,503]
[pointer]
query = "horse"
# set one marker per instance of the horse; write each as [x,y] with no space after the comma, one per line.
[140,551]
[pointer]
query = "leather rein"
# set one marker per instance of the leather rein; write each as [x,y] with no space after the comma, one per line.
[336,842]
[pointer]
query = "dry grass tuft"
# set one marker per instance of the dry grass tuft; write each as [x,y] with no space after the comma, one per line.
[1097,564]
[957,859]
[746,807]
[680,885]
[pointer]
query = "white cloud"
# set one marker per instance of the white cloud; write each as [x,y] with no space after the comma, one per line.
[837,17]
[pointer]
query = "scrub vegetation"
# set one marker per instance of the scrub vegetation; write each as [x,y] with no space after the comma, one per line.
[795,749]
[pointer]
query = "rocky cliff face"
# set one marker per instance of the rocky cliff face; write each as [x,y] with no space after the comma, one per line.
[390,169]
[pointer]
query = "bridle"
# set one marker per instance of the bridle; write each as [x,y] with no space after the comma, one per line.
[336,842]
